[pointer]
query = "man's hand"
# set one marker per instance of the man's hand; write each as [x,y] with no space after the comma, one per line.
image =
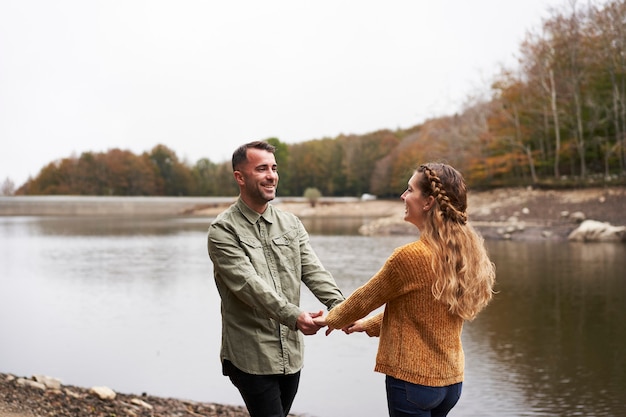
[320,321]
[306,324]
[357,326]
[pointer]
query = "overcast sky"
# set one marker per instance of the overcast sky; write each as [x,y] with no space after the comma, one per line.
[203,77]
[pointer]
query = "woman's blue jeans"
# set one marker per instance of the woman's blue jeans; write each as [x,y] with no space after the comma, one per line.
[407,399]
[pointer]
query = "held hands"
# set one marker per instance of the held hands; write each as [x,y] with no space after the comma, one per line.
[357,326]
[321,321]
[306,323]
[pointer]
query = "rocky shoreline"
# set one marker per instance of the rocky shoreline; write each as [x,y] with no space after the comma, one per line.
[43,396]
[525,214]
[530,214]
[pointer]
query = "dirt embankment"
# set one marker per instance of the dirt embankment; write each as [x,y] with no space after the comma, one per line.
[544,214]
[511,213]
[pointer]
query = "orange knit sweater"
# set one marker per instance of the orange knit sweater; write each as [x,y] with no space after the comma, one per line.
[420,340]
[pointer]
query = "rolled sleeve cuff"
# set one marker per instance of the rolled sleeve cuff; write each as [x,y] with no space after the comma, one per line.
[289,316]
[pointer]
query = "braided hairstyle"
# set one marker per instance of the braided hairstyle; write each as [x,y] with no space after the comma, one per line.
[464,274]
[452,204]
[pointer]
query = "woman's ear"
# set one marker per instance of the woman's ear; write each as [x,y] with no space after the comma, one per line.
[430,202]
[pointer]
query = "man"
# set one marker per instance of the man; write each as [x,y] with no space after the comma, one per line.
[260,256]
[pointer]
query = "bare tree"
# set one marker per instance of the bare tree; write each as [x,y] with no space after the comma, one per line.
[8,187]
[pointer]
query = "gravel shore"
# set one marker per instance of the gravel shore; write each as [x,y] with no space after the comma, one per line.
[25,397]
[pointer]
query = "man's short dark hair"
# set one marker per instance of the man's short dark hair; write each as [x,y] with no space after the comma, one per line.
[241,153]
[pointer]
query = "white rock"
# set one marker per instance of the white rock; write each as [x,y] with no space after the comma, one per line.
[578,216]
[141,403]
[48,381]
[31,383]
[595,231]
[105,393]
[546,233]
[71,393]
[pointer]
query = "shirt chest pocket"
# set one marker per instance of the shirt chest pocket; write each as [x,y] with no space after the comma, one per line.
[287,249]
[254,249]
[264,266]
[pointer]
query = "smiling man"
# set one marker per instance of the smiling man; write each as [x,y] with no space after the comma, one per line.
[261,255]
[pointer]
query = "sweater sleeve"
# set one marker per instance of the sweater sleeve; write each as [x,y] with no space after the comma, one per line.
[392,280]
[372,325]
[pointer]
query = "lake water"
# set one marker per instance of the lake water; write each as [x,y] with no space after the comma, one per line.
[132,305]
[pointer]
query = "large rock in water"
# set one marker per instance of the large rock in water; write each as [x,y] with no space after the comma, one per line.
[595,231]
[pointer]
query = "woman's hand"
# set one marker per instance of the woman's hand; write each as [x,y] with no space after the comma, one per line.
[357,326]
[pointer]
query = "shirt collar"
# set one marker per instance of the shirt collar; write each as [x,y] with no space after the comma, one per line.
[252,216]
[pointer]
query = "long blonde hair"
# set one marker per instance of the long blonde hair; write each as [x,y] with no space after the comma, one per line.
[465,276]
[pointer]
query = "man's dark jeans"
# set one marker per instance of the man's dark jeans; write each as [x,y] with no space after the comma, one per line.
[264,395]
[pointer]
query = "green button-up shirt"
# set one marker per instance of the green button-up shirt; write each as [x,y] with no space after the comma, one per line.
[259,263]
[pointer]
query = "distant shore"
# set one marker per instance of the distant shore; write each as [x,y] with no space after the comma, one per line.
[511,213]
[106,206]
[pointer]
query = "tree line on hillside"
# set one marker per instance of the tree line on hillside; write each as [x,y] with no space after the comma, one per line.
[559,119]
[563,111]
[315,164]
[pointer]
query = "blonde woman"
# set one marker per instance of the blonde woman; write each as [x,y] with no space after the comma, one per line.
[429,288]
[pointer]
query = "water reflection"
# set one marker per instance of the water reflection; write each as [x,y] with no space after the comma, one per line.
[556,327]
[125,225]
[100,226]
[335,226]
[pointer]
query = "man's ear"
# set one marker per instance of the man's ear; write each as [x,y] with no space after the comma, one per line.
[238,177]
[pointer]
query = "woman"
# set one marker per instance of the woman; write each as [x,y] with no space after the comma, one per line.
[429,288]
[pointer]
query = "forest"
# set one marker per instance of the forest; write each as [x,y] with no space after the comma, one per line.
[556,120]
